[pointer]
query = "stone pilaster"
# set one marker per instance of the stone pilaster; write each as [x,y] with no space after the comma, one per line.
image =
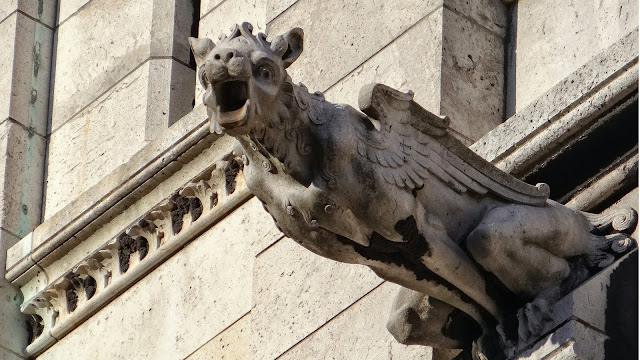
[26,37]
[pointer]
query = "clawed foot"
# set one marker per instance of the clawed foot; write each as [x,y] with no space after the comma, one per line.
[533,318]
[604,245]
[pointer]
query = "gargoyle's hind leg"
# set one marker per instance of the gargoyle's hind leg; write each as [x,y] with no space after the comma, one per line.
[526,247]
[447,260]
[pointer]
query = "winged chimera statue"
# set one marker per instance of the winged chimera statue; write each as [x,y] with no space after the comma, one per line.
[393,190]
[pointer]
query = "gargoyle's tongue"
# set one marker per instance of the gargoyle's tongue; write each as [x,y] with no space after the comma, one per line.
[231,119]
[233,103]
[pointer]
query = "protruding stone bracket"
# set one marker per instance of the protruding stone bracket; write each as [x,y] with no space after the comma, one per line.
[123,260]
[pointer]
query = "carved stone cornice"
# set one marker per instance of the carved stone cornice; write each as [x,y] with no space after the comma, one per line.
[531,136]
[111,190]
[124,259]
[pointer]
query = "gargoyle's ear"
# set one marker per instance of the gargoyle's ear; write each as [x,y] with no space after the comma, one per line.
[289,46]
[201,48]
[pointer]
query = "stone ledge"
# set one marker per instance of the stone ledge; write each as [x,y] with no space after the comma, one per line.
[531,135]
[112,189]
[580,323]
[65,302]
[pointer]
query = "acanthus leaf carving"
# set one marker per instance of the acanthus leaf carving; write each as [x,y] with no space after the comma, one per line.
[119,261]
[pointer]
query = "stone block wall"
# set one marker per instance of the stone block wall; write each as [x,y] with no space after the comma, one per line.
[122,75]
[554,38]
[120,67]
[449,53]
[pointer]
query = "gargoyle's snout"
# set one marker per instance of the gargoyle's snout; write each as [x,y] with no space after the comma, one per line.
[228,72]
[226,63]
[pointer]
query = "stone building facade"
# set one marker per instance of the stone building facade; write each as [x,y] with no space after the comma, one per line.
[126,228]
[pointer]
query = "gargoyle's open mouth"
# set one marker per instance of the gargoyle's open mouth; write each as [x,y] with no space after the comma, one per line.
[232,98]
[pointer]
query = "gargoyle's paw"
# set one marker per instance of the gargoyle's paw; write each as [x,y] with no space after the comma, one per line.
[600,259]
[618,243]
[622,243]
[533,318]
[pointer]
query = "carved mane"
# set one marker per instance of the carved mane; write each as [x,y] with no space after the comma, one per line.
[292,119]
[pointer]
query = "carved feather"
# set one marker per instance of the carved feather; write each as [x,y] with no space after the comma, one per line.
[414,144]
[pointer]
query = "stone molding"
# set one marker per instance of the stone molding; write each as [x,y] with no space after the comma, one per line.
[93,203]
[120,262]
[531,136]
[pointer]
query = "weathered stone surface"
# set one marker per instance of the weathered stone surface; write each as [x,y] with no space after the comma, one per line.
[11,254]
[68,8]
[13,328]
[32,281]
[103,260]
[439,71]
[207,6]
[257,220]
[24,71]
[588,303]
[228,14]
[77,150]
[12,322]
[357,31]
[359,331]
[234,343]
[58,260]
[7,41]
[569,105]
[170,28]
[606,185]
[275,8]
[107,41]
[487,13]
[103,201]
[572,341]
[22,166]
[8,355]
[167,102]
[296,292]
[44,11]
[179,306]
[472,76]
[555,38]
[401,65]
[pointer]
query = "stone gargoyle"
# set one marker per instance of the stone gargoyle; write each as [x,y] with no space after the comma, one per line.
[390,188]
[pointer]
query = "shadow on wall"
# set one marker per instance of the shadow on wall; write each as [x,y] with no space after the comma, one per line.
[622,312]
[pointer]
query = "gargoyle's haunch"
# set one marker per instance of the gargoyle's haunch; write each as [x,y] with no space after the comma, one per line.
[390,188]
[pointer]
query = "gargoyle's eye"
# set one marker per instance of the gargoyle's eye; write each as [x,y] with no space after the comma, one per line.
[263,73]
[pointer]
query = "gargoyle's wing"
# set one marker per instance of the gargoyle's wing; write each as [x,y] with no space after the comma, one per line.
[413,144]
